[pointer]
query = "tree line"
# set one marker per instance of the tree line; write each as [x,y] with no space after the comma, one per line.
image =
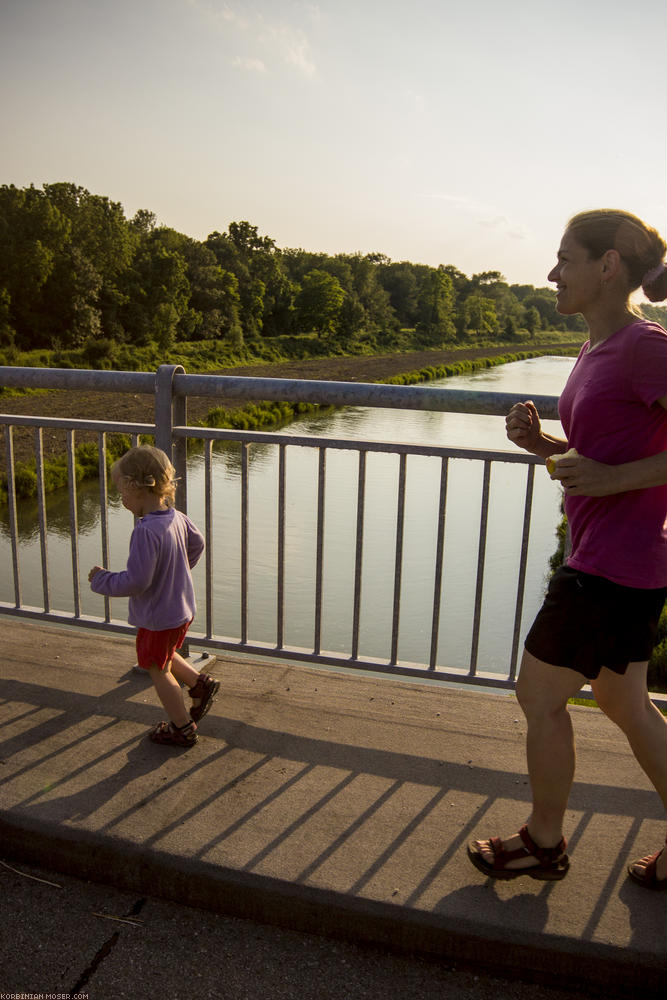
[76,274]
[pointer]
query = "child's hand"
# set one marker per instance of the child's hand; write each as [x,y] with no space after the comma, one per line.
[94,570]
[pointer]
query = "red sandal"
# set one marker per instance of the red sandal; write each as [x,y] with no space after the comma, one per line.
[553,862]
[649,877]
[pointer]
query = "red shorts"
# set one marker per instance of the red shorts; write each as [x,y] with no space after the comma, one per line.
[156,649]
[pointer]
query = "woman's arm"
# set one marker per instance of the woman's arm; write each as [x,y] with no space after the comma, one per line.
[523,427]
[584,477]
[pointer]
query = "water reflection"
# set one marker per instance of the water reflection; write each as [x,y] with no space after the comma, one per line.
[58,513]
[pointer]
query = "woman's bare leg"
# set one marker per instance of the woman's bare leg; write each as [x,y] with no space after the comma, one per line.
[624,699]
[543,692]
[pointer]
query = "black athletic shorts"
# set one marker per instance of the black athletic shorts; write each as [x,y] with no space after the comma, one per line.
[587,622]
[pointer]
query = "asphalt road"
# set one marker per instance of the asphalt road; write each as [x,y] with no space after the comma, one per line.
[74,938]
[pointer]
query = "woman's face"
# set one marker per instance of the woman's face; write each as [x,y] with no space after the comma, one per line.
[577,276]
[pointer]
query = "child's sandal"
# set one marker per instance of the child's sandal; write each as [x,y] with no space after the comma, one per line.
[206,689]
[170,735]
[553,862]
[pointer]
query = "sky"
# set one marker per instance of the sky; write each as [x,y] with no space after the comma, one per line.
[461,132]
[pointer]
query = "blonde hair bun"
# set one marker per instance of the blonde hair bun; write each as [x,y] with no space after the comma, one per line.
[145,467]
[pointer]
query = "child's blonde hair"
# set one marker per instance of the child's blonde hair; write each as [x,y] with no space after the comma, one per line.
[147,468]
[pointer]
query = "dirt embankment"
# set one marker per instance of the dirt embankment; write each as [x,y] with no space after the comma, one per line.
[139,408]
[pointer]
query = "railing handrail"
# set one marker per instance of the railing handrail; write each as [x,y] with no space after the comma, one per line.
[271,437]
[328,393]
[77,378]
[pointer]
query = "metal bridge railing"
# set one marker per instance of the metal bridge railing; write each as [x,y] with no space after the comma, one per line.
[171,388]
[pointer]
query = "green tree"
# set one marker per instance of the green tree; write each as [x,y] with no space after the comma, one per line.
[143,222]
[401,283]
[215,298]
[544,301]
[480,314]
[100,230]
[492,285]
[319,302]
[532,320]
[374,299]
[510,328]
[7,332]
[158,293]
[71,297]
[462,284]
[233,254]
[436,307]
[266,292]
[214,303]
[104,239]
[33,233]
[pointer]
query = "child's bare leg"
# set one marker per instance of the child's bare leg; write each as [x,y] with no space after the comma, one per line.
[170,694]
[185,673]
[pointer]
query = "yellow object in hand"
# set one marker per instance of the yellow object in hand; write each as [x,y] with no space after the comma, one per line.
[553,460]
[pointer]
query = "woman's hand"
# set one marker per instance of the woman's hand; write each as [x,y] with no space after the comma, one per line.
[523,427]
[585,477]
[94,570]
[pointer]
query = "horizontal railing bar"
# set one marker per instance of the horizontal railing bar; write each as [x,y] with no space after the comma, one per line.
[76,378]
[326,393]
[259,649]
[381,667]
[380,394]
[483,679]
[68,619]
[348,444]
[269,437]
[74,423]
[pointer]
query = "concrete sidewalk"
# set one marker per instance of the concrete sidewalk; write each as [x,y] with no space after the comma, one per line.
[329,803]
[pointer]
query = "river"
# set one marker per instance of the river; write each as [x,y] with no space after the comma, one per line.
[538,376]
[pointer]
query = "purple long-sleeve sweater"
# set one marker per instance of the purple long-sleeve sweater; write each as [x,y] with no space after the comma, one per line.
[164,547]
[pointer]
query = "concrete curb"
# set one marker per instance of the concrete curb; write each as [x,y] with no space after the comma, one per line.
[523,955]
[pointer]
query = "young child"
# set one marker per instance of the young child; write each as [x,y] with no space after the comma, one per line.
[164,547]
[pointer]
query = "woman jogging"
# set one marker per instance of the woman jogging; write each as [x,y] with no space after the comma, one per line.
[599,617]
[164,547]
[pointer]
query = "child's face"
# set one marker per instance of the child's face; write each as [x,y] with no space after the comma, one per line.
[133,498]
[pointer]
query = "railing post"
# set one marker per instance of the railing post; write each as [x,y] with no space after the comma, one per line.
[171,411]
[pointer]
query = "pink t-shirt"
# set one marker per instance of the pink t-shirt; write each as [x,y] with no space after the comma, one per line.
[609,412]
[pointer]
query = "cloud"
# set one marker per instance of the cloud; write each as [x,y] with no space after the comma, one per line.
[277,42]
[514,230]
[487,216]
[249,64]
[219,13]
[295,49]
